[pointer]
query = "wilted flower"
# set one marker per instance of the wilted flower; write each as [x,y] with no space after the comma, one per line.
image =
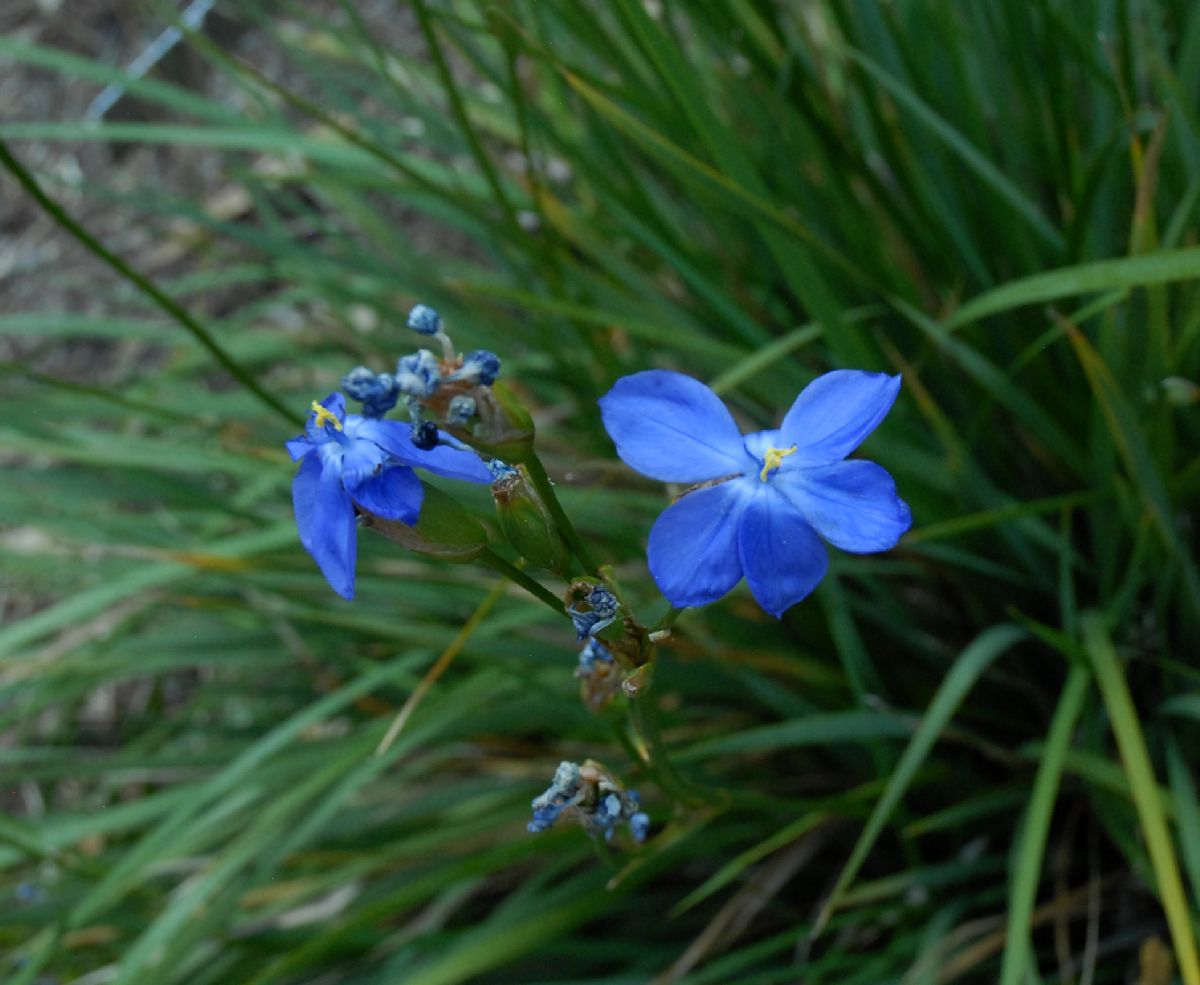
[592,607]
[591,795]
[765,497]
[599,674]
[346,459]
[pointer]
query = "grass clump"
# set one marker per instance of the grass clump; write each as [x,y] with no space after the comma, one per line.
[971,759]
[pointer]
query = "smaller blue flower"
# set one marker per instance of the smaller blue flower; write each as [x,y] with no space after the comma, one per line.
[480,367]
[377,392]
[765,500]
[418,375]
[346,459]
[424,319]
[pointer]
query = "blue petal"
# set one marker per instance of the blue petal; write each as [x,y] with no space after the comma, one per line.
[305,489]
[396,439]
[693,546]
[782,555]
[835,413]
[325,519]
[356,462]
[853,505]
[393,494]
[298,447]
[672,428]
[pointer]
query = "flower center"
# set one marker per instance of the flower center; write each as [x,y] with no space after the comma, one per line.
[325,416]
[773,459]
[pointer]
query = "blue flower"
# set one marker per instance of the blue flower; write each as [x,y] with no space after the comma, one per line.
[767,498]
[345,460]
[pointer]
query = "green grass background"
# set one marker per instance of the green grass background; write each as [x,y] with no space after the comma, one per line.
[970,759]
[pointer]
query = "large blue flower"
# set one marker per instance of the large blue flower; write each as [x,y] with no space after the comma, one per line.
[347,459]
[767,498]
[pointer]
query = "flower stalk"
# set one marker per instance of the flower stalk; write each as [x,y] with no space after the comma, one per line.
[545,488]
[518,577]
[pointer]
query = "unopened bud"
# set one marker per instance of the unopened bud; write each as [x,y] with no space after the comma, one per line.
[424,319]
[526,522]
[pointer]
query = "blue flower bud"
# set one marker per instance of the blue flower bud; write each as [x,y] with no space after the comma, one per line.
[480,367]
[593,612]
[377,393]
[461,409]
[424,319]
[418,375]
[639,826]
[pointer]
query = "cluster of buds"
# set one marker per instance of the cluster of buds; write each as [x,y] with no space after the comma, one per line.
[448,390]
[590,795]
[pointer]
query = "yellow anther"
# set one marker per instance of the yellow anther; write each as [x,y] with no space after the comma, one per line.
[325,416]
[773,458]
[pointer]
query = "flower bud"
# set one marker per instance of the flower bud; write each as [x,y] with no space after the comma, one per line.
[444,529]
[526,522]
[377,392]
[418,375]
[461,409]
[424,319]
[480,367]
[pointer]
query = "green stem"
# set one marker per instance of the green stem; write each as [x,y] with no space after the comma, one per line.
[518,577]
[143,284]
[645,723]
[537,472]
[667,620]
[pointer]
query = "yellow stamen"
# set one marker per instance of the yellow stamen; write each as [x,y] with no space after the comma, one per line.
[773,458]
[325,416]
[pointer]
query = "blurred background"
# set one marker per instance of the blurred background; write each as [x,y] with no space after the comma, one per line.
[972,759]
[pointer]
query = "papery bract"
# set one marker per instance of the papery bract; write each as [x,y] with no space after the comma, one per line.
[769,497]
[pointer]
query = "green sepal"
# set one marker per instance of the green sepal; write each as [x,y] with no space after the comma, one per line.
[445,529]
